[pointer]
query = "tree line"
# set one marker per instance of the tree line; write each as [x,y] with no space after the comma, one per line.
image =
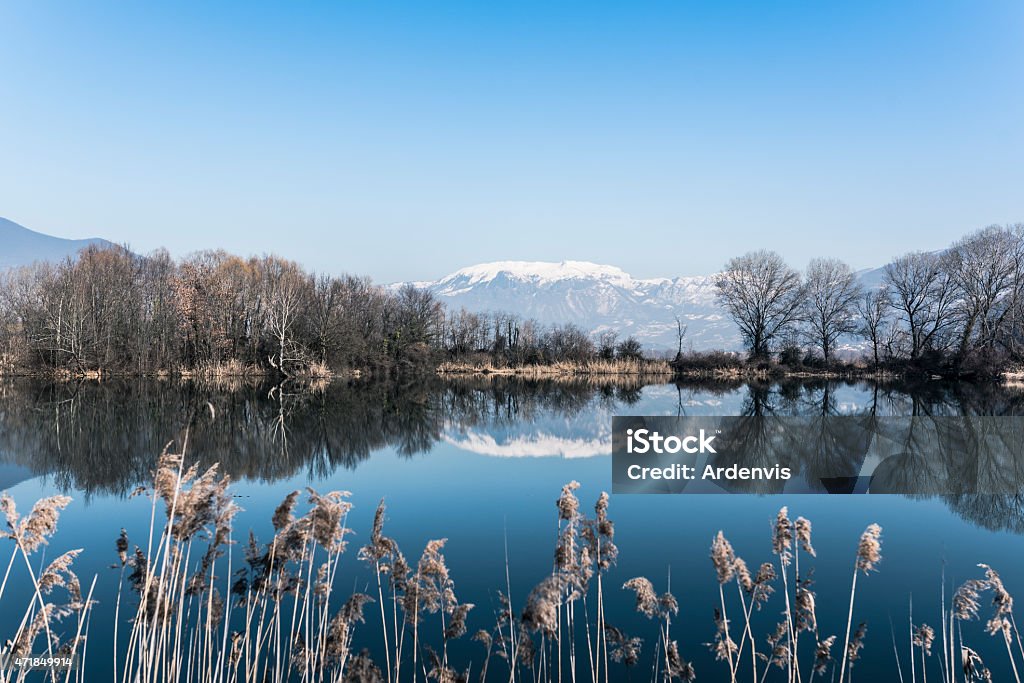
[109,310]
[112,310]
[959,309]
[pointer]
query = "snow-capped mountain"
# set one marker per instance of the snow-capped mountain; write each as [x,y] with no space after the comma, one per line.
[595,297]
[601,297]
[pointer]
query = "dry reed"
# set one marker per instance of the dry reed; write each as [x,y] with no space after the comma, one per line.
[274,612]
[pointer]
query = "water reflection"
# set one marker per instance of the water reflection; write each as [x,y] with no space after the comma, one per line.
[103,438]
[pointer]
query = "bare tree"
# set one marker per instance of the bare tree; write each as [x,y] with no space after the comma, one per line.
[987,268]
[606,342]
[420,314]
[923,296]
[680,335]
[629,349]
[324,323]
[288,295]
[567,343]
[762,295]
[873,309]
[831,294]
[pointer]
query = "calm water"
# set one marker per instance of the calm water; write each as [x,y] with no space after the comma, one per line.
[481,463]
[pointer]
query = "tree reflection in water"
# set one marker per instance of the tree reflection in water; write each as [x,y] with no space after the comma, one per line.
[103,438]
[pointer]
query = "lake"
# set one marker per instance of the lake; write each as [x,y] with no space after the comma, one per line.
[481,463]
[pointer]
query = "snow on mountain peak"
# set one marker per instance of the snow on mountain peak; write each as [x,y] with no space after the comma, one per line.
[593,296]
[538,272]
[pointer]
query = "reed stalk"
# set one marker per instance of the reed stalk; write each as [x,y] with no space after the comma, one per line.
[869,554]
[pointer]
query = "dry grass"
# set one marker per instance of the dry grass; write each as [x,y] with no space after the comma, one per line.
[226,369]
[611,368]
[226,373]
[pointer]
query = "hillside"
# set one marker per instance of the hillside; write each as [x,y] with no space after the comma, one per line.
[20,246]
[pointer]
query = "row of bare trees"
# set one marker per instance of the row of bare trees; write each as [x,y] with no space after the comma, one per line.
[961,307]
[508,339]
[110,310]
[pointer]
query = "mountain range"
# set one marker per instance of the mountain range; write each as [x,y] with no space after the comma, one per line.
[595,297]
[20,246]
[601,297]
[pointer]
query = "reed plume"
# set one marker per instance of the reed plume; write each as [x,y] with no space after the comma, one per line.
[32,531]
[805,617]
[29,533]
[122,547]
[743,575]
[1002,602]
[663,608]
[823,654]
[869,554]
[966,606]
[778,644]
[923,637]
[782,544]
[607,553]
[342,626]
[326,519]
[965,599]
[541,611]
[624,649]
[802,526]
[782,536]
[758,588]
[283,513]
[646,598]
[676,667]
[761,589]
[723,558]
[387,560]
[568,504]
[856,644]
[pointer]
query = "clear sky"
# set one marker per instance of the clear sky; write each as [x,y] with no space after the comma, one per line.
[406,140]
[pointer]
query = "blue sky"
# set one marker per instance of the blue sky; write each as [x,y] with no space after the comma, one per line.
[406,140]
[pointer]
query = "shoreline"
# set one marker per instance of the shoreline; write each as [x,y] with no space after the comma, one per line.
[658,371]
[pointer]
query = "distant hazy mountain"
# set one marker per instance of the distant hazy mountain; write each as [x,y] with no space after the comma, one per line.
[871,278]
[20,246]
[599,297]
